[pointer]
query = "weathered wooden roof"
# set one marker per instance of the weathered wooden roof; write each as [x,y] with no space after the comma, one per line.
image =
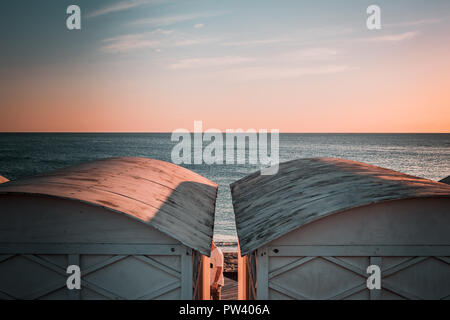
[3,179]
[445,180]
[268,206]
[170,198]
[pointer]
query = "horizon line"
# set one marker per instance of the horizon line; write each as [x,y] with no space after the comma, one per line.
[166,132]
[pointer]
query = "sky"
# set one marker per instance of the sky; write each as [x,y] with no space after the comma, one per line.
[159,65]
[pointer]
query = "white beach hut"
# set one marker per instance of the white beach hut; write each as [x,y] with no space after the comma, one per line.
[137,228]
[311,231]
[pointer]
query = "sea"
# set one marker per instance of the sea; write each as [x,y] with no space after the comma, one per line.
[26,154]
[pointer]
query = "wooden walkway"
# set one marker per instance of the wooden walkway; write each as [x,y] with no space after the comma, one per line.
[230,289]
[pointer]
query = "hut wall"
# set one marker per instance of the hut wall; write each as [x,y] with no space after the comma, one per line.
[328,258]
[119,258]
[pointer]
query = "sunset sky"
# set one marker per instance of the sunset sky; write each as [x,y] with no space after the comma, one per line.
[158,65]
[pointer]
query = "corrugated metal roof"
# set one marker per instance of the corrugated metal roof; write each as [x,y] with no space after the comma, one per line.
[268,206]
[3,179]
[170,198]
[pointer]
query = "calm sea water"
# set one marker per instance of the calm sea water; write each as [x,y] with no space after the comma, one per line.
[424,155]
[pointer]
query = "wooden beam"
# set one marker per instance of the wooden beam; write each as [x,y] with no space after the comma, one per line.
[287,292]
[159,265]
[262,274]
[90,248]
[206,294]
[290,266]
[375,294]
[242,279]
[359,251]
[186,274]
[154,293]
[74,294]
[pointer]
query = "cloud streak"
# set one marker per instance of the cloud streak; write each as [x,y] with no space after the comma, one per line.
[209,62]
[174,19]
[279,73]
[393,38]
[414,23]
[156,40]
[121,6]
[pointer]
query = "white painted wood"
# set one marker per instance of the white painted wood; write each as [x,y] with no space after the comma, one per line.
[186,274]
[206,278]
[356,250]
[306,190]
[375,294]
[33,219]
[242,276]
[93,248]
[169,198]
[262,274]
[74,259]
[400,222]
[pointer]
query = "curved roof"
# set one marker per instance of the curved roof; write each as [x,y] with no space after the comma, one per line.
[268,206]
[170,198]
[445,180]
[3,179]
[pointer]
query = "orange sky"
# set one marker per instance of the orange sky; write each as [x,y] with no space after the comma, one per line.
[397,80]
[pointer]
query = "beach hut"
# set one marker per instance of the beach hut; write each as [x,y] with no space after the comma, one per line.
[312,230]
[137,229]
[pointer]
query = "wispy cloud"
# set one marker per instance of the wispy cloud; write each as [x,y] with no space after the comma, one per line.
[157,40]
[294,38]
[169,20]
[121,6]
[414,23]
[393,38]
[311,54]
[254,42]
[278,73]
[209,62]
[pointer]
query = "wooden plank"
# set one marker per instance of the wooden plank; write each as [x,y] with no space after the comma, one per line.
[287,292]
[346,265]
[359,251]
[375,294]
[251,274]
[158,265]
[229,290]
[170,198]
[156,292]
[306,190]
[43,291]
[290,266]
[262,274]
[100,290]
[206,278]
[92,268]
[74,294]
[6,257]
[242,276]
[348,292]
[6,296]
[402,265]
[400,292]
[186,274]
[444,259]
[91,248]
